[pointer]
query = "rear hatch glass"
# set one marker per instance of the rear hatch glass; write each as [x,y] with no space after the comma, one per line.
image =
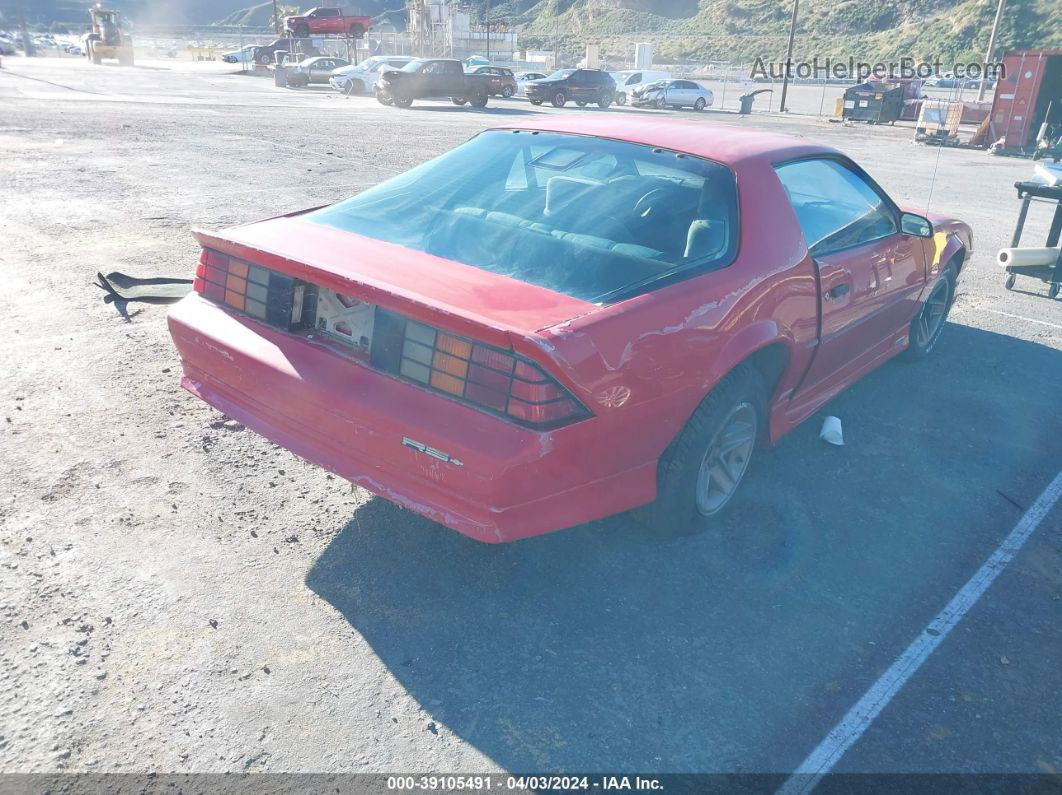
[594,219]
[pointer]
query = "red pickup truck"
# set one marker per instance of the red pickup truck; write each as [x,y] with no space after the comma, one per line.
[320,21]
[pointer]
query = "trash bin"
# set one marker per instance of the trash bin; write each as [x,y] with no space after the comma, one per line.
[747,100]
[280,76]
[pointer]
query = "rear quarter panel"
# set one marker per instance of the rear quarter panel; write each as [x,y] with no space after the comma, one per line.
[643,365]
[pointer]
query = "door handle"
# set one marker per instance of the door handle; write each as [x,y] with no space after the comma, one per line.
[836,291]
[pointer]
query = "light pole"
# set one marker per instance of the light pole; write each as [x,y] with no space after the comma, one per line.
[789,54]
[991,47]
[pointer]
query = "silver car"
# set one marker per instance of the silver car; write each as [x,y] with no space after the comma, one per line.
[673,94]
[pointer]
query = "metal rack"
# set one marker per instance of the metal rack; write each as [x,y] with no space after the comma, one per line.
[1049,274]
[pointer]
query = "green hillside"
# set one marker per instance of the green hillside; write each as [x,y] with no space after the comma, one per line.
[741,30]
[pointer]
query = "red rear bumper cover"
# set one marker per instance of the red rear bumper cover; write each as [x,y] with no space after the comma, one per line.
[512,482]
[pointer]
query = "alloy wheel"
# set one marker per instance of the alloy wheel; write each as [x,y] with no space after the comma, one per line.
[931,318]
[726,459]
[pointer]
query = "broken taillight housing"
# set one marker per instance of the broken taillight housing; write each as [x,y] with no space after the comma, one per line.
[489,378]
[251,289]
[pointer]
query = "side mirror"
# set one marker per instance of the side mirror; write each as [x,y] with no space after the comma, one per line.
[915,225]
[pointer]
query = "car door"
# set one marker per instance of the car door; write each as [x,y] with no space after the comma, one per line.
[870,274]
[580,86]
[320,70]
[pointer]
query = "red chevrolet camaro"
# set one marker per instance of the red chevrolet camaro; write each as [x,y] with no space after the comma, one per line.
[565,319]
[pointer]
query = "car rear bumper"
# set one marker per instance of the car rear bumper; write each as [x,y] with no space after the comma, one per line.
[498,482]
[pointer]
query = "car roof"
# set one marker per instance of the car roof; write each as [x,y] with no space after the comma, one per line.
[724,143]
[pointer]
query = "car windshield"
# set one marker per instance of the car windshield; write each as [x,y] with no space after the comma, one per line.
[594,219]
[560,74]
[413,66]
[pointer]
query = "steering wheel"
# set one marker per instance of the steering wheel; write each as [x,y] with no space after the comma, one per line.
[654,203]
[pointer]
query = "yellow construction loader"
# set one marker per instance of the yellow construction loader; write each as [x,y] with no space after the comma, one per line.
[106,39]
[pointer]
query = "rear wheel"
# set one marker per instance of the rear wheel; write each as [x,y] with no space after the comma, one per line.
[621,98]
[535,101]
[478,100]
[401,100]
[559,99]
[699,104]
[701,470]
[507,91]
[581,103]
[604,100]
[928,324]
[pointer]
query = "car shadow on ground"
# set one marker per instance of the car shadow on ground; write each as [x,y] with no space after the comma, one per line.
[615,647]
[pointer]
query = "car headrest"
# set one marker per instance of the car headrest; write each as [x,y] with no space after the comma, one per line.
[708,235]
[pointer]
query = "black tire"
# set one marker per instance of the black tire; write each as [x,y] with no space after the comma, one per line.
[604,101]
[621,98]
[263,58]
[660,104]
[694,468]
[458,100]
[382,98]
[699,104]
[1009,283]
[928,323]
[581,103]
[401,100]
[559,99]
[535,102]
[507,91]
[302,32]
[478,100]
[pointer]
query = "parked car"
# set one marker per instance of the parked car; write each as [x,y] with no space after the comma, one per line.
[242,55]
[268,53]
[523,78]
[581,85]
[564,319]
[502,81]
[431,78]
[357,78]
[629,80]
[314,70]
[321,21]
[673,94]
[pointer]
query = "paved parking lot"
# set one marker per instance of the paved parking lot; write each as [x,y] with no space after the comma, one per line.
[180,595]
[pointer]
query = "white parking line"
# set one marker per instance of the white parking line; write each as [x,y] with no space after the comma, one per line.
[1020,317]
[852,726]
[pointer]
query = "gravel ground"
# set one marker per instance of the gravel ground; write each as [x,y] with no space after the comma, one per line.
[179,595]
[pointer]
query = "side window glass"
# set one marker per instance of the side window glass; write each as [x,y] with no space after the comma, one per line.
[835,207]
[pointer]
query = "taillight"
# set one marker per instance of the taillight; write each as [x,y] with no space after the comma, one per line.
[492,379]
[252,289]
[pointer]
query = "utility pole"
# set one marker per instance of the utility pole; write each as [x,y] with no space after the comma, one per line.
[276,18]
[991,47]
[488,30]
[789,54]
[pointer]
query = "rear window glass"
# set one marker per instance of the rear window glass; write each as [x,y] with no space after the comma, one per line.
[597,220]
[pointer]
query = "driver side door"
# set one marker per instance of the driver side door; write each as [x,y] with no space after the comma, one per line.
[870,274]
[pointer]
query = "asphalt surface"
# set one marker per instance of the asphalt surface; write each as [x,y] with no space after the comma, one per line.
[179,595]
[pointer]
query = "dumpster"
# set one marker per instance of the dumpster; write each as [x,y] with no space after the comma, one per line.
[874,103]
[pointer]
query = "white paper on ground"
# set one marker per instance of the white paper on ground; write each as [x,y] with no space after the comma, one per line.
[831,431]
